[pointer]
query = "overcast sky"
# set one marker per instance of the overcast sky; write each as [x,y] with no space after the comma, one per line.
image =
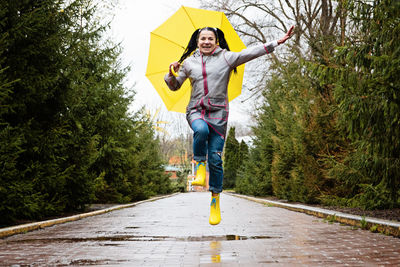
[132,24]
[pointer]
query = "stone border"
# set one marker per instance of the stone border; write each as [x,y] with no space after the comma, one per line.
[373,224]
[23,228]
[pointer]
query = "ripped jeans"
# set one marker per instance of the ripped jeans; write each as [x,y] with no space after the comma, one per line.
[206,140]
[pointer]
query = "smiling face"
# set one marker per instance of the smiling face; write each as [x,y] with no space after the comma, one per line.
[207,42]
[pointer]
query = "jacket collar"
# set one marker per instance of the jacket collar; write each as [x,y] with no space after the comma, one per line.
[216,51]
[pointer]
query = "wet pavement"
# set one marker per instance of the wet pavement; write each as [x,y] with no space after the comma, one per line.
[175,231]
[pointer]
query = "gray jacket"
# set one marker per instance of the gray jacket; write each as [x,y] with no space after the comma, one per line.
[209,78]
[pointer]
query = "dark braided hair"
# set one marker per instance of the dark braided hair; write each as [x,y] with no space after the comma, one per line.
[192,45]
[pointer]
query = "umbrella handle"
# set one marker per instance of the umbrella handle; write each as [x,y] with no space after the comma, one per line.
[173,71]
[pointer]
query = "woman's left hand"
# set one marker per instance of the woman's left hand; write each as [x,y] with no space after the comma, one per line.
[287,36]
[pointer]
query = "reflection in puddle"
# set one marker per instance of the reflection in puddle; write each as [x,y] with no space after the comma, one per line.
[215,258]
[215,251]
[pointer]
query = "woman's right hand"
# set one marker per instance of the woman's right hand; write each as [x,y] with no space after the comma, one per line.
[173,68]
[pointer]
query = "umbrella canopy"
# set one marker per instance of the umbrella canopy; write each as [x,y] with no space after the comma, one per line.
[168,42]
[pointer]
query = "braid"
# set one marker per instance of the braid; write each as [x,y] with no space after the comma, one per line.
[192,45]
[222,43]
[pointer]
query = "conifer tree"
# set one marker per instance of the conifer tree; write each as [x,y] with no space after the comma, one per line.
[366,81]
[32,31]
[243,152]
[10,137]
[231,159]
[66,137]
[329,127]
[254,177]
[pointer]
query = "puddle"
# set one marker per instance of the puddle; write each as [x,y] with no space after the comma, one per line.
[95,262]
[127,238]
[224,238]
[240,237]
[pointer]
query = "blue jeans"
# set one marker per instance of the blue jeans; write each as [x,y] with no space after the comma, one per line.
[206,140]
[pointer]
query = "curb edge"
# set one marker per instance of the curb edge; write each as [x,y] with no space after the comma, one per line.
[24,228]
[379,225]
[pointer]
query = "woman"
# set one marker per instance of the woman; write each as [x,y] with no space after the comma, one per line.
[209,69]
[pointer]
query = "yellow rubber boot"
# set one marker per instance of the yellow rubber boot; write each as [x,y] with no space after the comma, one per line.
[200,174]
[215,212]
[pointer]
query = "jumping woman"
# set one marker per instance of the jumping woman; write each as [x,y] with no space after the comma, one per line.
[208,63]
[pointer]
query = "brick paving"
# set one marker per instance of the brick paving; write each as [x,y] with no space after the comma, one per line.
[174,231]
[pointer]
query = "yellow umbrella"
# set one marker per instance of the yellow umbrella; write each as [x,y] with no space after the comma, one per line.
[168,42]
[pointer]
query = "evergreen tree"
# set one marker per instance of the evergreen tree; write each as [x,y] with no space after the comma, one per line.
[366,81]
[243,152]
[127,164]
[288,144]
[231,159]
[10,137]
[33,130]
[146,172]
[66,135]
[329,128]
[254,176]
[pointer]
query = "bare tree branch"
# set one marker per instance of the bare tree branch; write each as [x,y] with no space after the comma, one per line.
[316,26]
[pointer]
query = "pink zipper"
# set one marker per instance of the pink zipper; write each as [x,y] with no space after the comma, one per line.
[204,76]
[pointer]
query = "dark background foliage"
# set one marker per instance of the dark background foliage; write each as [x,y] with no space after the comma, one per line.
[66,136]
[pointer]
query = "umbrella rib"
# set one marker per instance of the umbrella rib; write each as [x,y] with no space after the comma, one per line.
[168,40]
[194,26]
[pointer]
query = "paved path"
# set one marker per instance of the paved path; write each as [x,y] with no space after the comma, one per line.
[174,231]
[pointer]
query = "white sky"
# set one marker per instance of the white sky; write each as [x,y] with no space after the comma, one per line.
[132,24]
